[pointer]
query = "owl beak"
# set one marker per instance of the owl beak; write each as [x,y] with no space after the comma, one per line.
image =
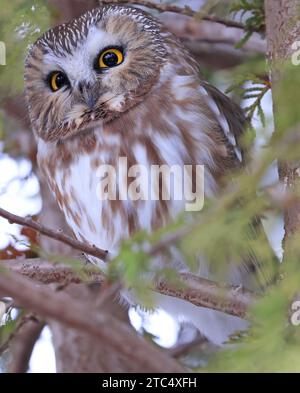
[89,95]
[90,100]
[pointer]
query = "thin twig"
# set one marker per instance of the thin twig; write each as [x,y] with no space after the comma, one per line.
[54,234]
[77,245]
[178,10]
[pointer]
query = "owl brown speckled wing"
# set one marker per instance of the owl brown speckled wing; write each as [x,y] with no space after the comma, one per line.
[258,276]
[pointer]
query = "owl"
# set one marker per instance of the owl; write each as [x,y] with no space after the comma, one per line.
[111,84]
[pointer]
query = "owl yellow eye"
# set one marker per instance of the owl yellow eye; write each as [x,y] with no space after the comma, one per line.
[110,58]
[57,80]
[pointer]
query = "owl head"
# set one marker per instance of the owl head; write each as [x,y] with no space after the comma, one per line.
[92,69]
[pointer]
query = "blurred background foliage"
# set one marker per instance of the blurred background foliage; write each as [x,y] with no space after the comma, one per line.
[221,231]
[21,23]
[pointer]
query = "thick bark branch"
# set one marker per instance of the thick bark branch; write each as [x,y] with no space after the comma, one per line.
[104,327]
[232,300]
[77,351]
[46,272]
[21,345]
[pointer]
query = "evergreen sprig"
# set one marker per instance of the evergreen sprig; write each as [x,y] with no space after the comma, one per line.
[259,86]
[255,21]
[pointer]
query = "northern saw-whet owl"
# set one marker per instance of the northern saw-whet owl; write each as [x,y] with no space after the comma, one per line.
[115,83]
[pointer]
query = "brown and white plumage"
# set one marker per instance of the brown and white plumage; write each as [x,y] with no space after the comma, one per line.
[153,108]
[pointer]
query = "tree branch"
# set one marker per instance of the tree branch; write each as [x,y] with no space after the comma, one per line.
[22,344]
[231,300]
[74,313]
[178,10]
[90,250]
[46,272]
[54,234]
[25,319]
[201,292]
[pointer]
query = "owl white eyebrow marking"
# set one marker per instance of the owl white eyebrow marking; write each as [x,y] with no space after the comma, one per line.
[65,38]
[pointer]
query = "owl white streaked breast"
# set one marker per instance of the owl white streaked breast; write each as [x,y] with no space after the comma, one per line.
[114,83]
